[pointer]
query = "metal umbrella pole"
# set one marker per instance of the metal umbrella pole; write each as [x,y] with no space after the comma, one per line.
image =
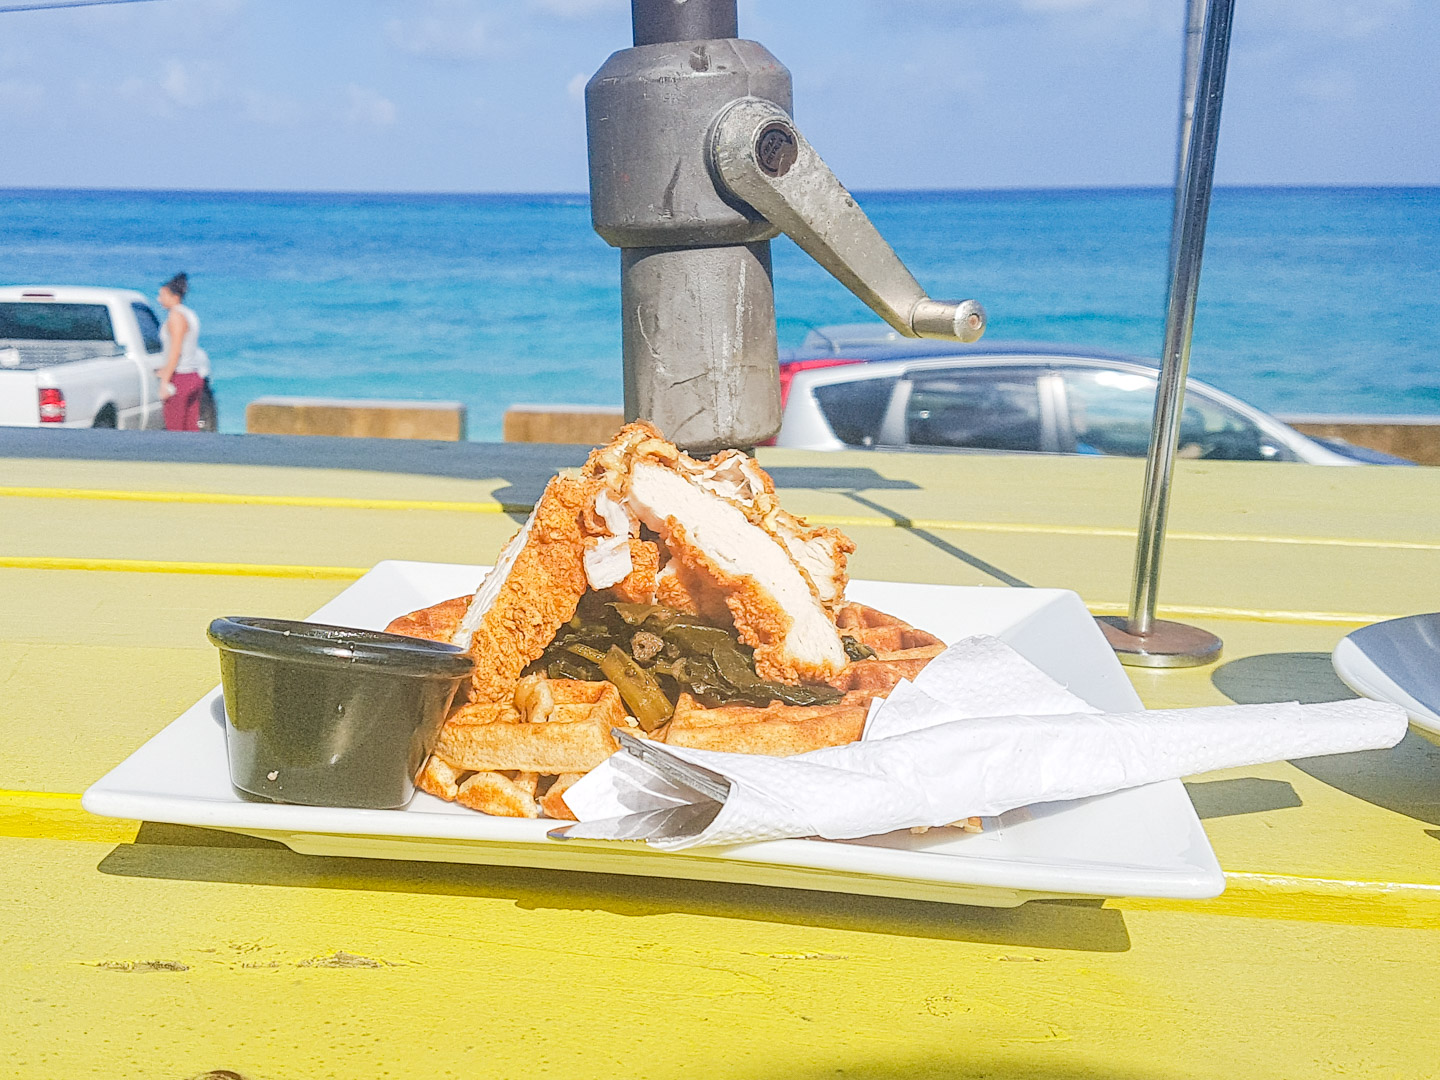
[1141,639]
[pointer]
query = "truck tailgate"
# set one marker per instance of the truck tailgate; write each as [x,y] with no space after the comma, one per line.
[19,399]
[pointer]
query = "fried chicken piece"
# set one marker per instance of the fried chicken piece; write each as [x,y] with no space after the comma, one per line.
[820,553]
[608,525]
[772,602]
[639,586]
[532,591]
[684,589]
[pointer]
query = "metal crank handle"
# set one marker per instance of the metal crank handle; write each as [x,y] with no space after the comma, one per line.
[759,155]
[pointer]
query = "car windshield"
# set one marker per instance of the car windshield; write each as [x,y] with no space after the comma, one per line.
[55,322]
[1111,412]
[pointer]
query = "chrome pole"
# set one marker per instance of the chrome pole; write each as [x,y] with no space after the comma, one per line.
[1141,639]
[1189,79]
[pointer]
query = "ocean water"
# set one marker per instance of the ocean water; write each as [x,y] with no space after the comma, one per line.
[1311,299]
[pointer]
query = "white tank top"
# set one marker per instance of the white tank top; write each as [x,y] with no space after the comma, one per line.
[189,363]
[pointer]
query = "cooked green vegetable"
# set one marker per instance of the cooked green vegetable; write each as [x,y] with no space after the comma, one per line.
[856,650]
[664,652]
[595,656]
[638,687]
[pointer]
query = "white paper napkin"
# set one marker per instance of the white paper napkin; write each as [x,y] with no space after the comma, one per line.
[980,731]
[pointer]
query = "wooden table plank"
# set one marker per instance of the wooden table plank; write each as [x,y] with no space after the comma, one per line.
[1317,960]
[208,955]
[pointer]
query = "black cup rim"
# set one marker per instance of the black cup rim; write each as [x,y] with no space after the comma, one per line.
[324,643]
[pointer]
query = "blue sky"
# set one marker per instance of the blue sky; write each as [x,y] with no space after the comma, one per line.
[483,95]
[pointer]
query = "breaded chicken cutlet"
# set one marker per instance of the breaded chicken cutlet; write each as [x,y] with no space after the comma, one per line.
[689,573]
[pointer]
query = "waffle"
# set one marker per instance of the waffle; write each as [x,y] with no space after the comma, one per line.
[900,650]
[514,758]
[776,730]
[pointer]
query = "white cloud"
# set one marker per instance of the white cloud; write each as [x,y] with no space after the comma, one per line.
[452,30]
[187,85]
[575,88]
[178,85]
[369,108]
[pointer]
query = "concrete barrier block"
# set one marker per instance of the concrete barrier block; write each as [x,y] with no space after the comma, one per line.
[1416,438]
[588,424]
[356,418]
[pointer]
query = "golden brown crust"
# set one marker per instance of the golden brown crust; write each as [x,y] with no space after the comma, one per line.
[540,593]
[540,748]
[438,622]
[483,712]
[760,620]
[775,730]
[500,795]
[638,587]
[440,778]
[518,744]
[878,677]
[683,588]
[553,802]
[881,630]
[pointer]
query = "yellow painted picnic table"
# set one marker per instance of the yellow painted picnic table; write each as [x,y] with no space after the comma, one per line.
[146,950]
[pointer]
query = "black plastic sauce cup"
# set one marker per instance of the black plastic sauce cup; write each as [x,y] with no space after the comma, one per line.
[331,716]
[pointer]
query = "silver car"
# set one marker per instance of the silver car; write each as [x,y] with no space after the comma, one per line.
[1016,398]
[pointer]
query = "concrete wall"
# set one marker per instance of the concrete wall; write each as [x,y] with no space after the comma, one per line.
[1414,437]
[358,418]
[588,424]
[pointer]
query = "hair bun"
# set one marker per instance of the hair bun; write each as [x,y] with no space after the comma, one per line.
[179,284]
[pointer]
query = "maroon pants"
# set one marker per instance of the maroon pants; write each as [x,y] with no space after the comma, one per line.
[182,408]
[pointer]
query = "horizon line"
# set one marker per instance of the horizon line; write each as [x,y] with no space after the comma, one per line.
[414,193]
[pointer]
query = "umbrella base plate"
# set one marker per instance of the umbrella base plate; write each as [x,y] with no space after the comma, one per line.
[1168,645]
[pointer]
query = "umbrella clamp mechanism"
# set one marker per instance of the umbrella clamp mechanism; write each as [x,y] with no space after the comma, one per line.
[695,166]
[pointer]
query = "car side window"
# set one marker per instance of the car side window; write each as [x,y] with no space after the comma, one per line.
[1111,413]
[1216,432]
[982,408]
[855,409]
[149,327]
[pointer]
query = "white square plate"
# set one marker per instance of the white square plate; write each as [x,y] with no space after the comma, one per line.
[1142,842]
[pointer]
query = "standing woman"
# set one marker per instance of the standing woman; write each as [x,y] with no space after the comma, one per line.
[181,379]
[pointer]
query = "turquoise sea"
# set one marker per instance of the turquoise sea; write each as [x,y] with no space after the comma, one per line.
[1312,299]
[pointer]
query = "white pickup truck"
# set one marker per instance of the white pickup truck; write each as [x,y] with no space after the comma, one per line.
[81,357]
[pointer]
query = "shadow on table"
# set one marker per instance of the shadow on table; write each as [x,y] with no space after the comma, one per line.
[1243,795]
[939,542]
[179,852]
[1401,779]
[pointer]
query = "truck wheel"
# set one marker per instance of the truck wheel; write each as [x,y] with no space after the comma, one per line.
[209,411]
[105,417]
